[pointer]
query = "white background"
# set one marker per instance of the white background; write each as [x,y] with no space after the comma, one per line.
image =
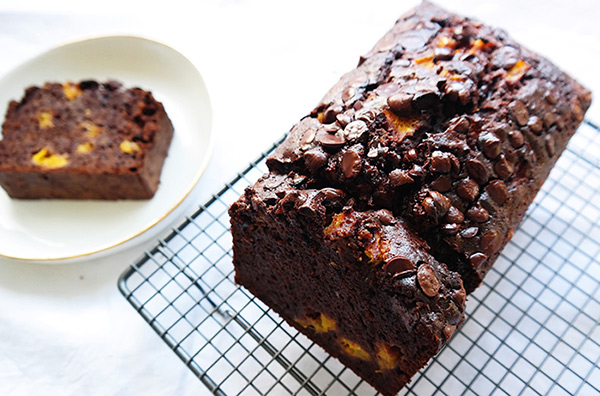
[65,329]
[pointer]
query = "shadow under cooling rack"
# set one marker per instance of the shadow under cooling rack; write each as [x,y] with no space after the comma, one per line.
[532,328]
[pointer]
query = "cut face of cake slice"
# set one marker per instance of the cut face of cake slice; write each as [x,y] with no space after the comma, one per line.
[84,141]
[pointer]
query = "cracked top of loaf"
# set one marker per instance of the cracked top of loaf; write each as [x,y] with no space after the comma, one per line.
[448,123]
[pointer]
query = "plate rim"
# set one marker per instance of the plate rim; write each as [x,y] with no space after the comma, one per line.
[154,222]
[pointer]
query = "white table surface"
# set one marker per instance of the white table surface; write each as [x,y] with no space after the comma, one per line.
[65,329]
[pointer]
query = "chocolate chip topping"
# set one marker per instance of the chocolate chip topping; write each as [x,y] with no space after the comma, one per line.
[330,114]
[550,145]
[343,120]
[468,189]
[425,99]
[461,125]
[454,215]
[490,144]
[385,216]
[503,167]
[516,138]
[427,280]
[351,164]
[315,159]
[442,53]
[535,124]
[436,205]
[549,119]
[399,266]
[307,138]
[478,259]
[497,191]
[478,213]
[450,228]
[399,177]
[330,141]
[470,232]
[442,184]
[477,170]
[401,103]
[519,112]
[491,241]
[440,162]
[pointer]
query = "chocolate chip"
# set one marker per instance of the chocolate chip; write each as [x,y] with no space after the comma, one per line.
[450,229]
[478,259]
[478,213]
[416,171]
[457,91]
[549,119]
[436,205]
[401,103]
[505,57]
[355,129]
[455,162]
[348,94]
[331,128]
[441,184]
[519,112]
[461,125]
[343,119]
[307,138]
[550,145]
[535,124]
[491,241]
[442,53]
[461,295]
[425,99]
[503,167]
[398,178]
[329,141]
[385,216]
[315,159]
[454,215]
[497,191]
[577,112]
[440,162]
[331,113]
[449,330]
[477,170]
[427,280]
[358,105]
[415,39]
[351,164]
[468,189]
[294,199]
[470,232]
[551,97]
[490,144]
[516,138]
[399,265]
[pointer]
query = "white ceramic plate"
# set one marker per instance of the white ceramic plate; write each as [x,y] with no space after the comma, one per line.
[52,231]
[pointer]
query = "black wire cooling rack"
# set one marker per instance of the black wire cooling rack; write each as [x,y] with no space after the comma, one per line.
[532,328]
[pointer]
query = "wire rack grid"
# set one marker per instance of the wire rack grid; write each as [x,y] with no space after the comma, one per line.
[532,328]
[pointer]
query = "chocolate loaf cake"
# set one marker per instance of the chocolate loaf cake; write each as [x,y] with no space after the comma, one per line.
[448,127]
[84,140]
